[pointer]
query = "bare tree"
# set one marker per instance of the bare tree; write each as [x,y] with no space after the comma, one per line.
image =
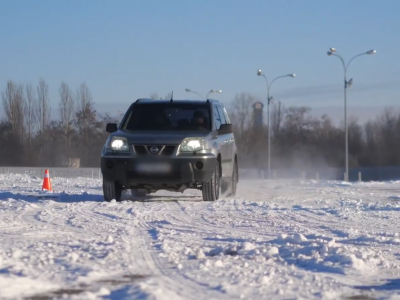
[356,141]
[86,119]
[372,137]
[30,114]
[388,131]
[85,107]
[297,119]
[12,148]
[66,112]
[107,118]
[13,102]
[278,113]
[242,110]
[43,105]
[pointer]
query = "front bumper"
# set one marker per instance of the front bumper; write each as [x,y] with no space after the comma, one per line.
[140,170]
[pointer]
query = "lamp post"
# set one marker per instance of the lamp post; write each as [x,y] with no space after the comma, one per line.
[347,84]
[212,91]
[190,91]
[269,98]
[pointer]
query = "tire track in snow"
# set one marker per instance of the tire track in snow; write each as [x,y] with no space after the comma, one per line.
[32,226]
[184,218]
[171,274]
[239,222]
[137,241]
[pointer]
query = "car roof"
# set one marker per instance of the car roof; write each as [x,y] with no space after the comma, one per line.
[156,101]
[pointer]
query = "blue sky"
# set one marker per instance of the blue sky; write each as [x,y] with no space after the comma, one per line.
[124,50]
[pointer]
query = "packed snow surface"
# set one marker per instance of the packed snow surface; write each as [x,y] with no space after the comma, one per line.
[274,240]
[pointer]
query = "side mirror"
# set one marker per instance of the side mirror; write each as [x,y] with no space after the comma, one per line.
[111,127]
[225,129]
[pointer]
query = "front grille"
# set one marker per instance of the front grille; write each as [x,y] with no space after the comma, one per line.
[163,150]
[140,150]
[168,150]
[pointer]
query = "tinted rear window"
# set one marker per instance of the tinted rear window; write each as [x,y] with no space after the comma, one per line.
[168,116]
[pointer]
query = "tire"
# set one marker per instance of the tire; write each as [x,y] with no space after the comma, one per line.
[228,185]
[225,183]
[234,180]
[112,190]
[211,188]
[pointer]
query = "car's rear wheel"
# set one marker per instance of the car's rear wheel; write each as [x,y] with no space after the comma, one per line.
[234,181]
[225,183]
[211,188]
[112,190]
[229,184]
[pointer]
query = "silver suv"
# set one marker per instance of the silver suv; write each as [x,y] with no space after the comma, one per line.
[171,145]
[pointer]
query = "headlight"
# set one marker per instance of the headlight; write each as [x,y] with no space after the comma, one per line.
[119,144]
[192,144]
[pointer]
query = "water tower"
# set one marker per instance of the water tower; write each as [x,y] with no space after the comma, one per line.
[258,111]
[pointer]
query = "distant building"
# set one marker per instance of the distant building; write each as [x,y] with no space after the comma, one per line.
[258,109]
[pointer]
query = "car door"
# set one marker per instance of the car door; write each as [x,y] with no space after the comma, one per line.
[223,140]
[232,144]
[229,141]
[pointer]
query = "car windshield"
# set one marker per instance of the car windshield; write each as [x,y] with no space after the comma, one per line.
[168,116]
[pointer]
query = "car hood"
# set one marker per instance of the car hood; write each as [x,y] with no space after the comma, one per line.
[159,137]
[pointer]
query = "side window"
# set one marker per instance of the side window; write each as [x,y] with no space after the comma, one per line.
[217,118]
[221,113]
[228,121]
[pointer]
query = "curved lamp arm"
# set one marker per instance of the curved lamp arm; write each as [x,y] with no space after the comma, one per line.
[190,91]
[345,67]
[288,75]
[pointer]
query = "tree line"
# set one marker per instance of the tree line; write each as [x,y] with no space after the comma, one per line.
[30,137]
[301,141]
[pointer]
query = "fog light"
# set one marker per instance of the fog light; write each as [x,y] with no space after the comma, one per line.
[199,165]
[110,165]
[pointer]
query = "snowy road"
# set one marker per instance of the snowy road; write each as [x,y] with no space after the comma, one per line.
[275,240]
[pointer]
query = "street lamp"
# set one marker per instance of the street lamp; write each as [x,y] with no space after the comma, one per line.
[347,84]
[260,73]
[212,91]
[190,91]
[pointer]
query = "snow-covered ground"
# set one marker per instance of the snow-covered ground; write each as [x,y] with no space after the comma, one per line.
[274,240]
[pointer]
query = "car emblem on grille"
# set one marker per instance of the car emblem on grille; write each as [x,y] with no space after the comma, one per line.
[153,149]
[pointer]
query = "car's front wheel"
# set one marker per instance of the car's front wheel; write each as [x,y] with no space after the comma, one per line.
[211,188]
[112,190]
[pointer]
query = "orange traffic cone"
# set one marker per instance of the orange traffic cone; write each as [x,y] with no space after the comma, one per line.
[46,181]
